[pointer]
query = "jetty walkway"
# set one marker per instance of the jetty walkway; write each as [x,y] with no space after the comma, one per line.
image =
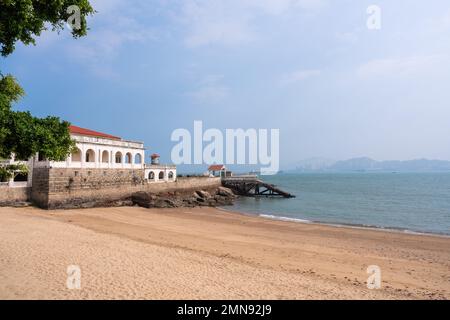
[252,186]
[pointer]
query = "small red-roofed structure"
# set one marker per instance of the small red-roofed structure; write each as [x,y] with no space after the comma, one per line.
[155,158]
[218,168]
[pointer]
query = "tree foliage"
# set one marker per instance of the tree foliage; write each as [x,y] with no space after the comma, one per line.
[22,134]
[23,20]
[25,135]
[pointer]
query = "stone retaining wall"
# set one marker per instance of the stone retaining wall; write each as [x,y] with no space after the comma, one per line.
[11,196]
[77,188]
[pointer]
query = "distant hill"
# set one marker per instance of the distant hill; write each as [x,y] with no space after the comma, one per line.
[312,164]
[365,164]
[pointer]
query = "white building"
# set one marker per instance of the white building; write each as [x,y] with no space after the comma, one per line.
[104,151]
[99,150]
[156,172]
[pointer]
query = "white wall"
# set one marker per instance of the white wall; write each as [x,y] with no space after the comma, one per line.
[157,169]
[98,146]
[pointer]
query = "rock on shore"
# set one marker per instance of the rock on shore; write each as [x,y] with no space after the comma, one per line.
[220,196]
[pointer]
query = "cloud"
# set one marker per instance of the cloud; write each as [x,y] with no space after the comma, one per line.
[106,6]
[113,30]
[350,37]
[210,90]
[231,22]
[299,75]
[281,6]
[405,66]
[215,21]
[438,25]
[210,94]
[445,21]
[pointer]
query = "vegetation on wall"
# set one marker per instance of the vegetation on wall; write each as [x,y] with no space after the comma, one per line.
[11,171]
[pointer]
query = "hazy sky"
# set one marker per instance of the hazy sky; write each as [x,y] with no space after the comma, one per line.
[310,68]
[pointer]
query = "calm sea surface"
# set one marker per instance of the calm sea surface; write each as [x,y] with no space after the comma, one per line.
[418,202]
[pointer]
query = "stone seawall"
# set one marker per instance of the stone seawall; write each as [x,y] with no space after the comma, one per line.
[183,184]
[13,196]
[58,188]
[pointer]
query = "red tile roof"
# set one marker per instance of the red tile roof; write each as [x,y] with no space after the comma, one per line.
[216,167]
[91,133]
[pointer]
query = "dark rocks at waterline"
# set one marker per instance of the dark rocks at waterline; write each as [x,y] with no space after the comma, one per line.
[194,198]
[225,192]
[202,195]
[80,203]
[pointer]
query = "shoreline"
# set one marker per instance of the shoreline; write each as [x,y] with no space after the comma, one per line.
[336,225]
[209,253]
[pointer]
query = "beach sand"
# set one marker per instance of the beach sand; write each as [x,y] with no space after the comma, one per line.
[207,253]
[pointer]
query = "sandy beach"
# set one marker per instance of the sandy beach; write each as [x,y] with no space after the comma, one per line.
[206,253]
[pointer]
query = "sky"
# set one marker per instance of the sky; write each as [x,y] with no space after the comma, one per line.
[335,88]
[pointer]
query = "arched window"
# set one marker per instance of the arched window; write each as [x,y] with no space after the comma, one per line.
[90,156]
[76,156]
[105,156]
[151,175]
[128,158]
[118,157]
[138,158]
[161,175]
[170,175]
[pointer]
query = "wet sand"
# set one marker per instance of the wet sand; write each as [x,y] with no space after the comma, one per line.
[206,253]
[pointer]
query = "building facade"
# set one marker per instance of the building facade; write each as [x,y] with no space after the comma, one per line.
[156,172]
[97,150]
[104,169]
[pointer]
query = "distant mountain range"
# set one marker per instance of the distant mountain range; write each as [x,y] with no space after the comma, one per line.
[365,164]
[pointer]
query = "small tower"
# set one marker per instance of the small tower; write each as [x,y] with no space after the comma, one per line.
[155,158]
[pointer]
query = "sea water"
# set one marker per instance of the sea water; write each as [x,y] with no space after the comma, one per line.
[415,202]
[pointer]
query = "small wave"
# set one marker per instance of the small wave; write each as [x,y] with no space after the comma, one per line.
[339,225]
[269,216]
[353,226]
